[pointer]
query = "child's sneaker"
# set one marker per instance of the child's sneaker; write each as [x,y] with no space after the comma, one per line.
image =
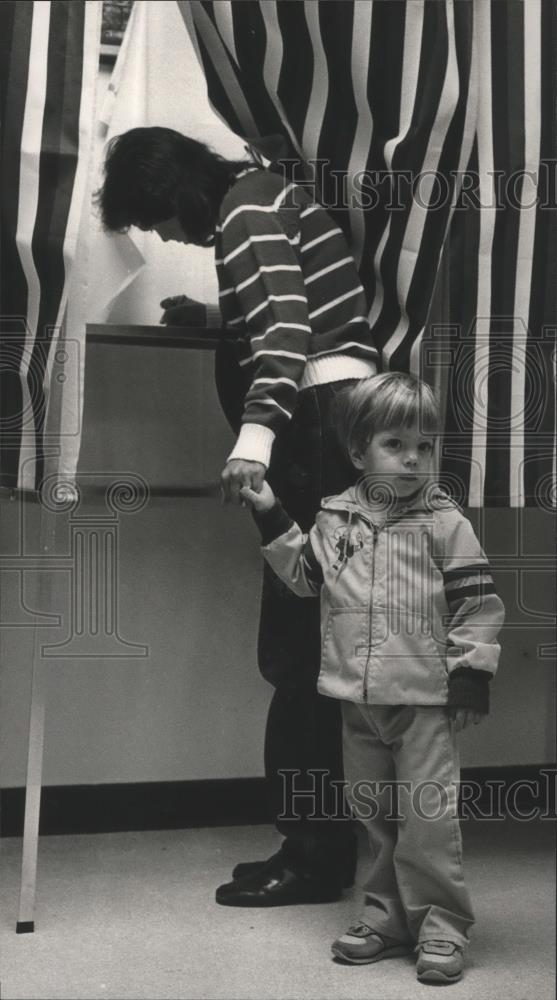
[362,944]
[439,962]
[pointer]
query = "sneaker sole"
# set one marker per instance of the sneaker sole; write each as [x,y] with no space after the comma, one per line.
[436,976]
[395,952]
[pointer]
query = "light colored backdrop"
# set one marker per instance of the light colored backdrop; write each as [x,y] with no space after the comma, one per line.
[156,81]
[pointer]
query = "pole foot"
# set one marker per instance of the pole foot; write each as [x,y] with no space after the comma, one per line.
[25,927]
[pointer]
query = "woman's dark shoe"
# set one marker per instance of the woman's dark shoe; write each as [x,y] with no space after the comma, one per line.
[251,867]
[276,885]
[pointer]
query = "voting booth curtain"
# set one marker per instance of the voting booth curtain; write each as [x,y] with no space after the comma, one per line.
[428,131]
[49,54]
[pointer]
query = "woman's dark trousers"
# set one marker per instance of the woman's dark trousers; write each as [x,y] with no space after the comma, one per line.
[303,740]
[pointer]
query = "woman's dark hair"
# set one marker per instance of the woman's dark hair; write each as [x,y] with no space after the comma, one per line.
[154,174]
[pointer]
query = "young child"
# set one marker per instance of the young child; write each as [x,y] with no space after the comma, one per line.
[409,623]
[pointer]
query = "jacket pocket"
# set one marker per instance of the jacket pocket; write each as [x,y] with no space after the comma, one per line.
[344,653]
[408,661]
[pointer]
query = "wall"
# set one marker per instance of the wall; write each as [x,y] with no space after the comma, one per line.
[188,590]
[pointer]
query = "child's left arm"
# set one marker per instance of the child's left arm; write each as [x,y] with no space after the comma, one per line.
[289,552]
[476,614]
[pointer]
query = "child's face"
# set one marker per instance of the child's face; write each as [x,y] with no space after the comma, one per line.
[401,457]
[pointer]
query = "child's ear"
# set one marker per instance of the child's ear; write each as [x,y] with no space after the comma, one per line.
[356,458]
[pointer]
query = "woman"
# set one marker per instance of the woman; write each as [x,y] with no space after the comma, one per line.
[296,332]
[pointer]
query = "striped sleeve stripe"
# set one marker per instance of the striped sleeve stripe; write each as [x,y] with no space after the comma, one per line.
[327,270]
[273,381]
[280,198]
[253,239]
[308,211]
[321,239]
[474,579]
[243,173]
[286,326]
[274,298]
[260,270]
[264,269]
[336,302]
[473,590]
[473,569]
[282,354]
[272,402]
[263,336]
[242,209]
[341,349]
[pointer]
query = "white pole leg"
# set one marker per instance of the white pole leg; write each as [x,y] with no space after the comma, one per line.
[47,547]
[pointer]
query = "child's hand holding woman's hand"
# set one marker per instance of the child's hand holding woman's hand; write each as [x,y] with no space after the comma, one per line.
[261,502]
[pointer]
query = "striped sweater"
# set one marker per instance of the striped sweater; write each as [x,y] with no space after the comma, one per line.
[289,285]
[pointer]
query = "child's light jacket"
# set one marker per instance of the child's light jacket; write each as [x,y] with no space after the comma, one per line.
[403,604]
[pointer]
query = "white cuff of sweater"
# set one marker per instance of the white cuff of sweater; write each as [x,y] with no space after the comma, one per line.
[213,314]
[254,444]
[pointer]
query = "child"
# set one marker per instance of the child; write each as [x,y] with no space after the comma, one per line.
[409,623]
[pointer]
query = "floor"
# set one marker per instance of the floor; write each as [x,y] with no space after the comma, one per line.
[133,916]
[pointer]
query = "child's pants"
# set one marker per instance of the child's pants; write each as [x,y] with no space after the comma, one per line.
[415,888]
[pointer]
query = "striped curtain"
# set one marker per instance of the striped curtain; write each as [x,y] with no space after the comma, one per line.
[396,112]
[48,63]
[501,275]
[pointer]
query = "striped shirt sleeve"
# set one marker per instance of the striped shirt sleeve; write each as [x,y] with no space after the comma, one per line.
[260,264]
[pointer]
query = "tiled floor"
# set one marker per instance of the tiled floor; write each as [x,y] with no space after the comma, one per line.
[133,916]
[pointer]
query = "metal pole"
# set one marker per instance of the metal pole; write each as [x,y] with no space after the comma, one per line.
[49,522]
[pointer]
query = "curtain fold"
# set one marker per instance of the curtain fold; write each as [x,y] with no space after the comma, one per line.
[48,57]
[502,269]
[398,112]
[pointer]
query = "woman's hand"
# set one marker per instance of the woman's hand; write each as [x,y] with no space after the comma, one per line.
[180,310]
[262,501]
[239,473]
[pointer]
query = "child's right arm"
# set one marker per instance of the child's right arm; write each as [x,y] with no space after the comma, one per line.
[289,552]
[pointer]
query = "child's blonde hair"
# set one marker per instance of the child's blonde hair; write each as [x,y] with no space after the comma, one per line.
[383,402]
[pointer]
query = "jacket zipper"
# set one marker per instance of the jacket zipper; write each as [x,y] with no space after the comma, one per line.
[375,530]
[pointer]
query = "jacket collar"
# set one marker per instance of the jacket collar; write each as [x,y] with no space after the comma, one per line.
[426,499]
